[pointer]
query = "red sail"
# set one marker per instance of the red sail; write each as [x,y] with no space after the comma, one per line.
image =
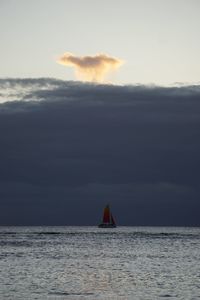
[106,215]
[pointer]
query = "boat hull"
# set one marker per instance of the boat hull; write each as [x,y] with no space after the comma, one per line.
[107,225]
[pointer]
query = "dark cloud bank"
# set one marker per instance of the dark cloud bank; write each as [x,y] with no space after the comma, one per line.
[69,148]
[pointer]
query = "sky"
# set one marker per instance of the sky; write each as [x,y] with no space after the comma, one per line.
[99,103]
[158,40]
[69,148]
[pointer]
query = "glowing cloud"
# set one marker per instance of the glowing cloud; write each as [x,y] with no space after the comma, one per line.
[91,68]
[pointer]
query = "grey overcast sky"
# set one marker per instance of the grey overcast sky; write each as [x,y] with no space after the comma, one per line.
[157,39]
[69,148]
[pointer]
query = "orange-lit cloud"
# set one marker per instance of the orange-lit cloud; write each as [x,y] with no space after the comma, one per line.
[91,68]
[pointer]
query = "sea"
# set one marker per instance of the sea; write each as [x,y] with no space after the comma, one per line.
[94,263]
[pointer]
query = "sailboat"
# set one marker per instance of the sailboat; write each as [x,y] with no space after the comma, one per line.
[108,220]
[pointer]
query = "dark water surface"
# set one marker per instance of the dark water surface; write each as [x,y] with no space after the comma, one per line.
[92,263]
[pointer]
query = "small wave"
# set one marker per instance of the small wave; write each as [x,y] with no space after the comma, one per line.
[117,234]
[71,294]
[48,233]
[7,232]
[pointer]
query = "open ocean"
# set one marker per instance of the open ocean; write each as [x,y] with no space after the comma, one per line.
[92,263]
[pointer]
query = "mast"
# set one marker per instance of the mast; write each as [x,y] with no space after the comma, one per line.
[112,220]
